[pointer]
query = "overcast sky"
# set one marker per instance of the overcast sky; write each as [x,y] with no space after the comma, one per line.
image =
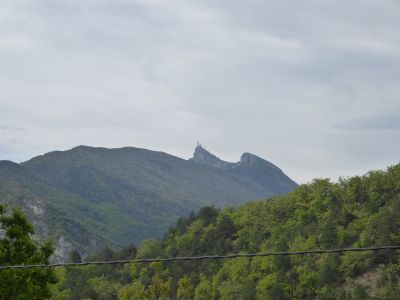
[312,86]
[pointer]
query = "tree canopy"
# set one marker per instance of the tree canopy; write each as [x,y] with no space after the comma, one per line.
[361,211]
[17,247]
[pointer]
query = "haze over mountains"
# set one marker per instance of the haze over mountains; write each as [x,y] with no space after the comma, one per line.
[86,197]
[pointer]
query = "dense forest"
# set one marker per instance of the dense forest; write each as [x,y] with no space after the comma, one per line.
[359,211]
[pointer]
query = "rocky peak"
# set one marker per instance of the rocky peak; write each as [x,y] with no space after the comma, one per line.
[201,155]
[247,160]
[250,159]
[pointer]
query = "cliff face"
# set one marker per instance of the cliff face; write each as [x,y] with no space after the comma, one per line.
[86,198]
[202,156]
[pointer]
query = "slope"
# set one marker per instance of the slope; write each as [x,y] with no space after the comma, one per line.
[44,205]
[129,194]
[355,212]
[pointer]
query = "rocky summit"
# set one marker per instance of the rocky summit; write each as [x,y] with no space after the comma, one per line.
[87,198]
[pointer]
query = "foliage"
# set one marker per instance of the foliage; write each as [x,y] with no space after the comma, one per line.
[75,256]
[354,212]
[18,248]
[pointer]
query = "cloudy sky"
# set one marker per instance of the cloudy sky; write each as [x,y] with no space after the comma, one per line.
[313,86]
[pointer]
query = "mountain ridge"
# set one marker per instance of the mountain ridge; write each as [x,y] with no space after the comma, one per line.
[124,195]
[203,156]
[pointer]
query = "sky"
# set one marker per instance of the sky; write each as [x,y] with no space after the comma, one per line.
[312,86]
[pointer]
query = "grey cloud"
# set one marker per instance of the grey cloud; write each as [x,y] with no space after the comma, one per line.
[9,127]
[286,80]
[7,130]
[383,122]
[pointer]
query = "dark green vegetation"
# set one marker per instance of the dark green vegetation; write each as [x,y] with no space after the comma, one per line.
[355,212]
[87,197]
[16,248]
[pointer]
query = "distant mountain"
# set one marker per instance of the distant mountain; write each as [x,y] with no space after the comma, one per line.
[86,197]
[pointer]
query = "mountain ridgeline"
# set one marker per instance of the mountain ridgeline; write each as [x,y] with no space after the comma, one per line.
[86,198]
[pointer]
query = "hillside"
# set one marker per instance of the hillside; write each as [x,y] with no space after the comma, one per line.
[355,212]
[88,197]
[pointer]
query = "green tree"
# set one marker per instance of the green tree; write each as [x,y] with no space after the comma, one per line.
[18,248]
[75,256]
[133,291]
[270,287]
[360,293]
[389,282]
[184,288]
[203,290]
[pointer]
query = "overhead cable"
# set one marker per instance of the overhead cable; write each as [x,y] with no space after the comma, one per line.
[204,257]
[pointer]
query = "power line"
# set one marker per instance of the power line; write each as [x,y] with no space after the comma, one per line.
[205,257]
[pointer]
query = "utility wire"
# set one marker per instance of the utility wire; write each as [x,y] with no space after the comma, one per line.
[205,257]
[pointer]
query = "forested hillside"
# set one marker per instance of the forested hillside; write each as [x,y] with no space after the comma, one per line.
[354,212]
[86,197]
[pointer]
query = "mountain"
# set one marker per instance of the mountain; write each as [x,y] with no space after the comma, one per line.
[86,197]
